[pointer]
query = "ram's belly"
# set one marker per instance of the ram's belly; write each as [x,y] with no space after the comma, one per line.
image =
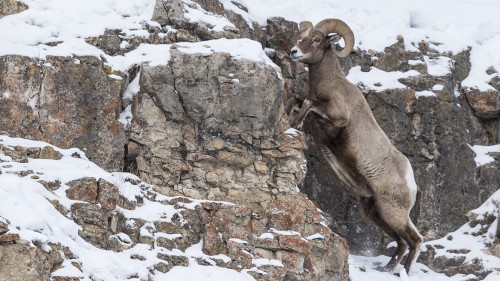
[350,176]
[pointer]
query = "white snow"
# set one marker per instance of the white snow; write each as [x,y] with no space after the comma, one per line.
[449,26]
[291,132]
[364,268]
[238,241]
[230,5]
[133,88]
[259,262]
[239,48]
[198,14]
[315,236]
[126,116]
[439,66]
[70,21]
[379,80]
[437,87]
[266,236]
[203,273]
[424,94]
[482,151]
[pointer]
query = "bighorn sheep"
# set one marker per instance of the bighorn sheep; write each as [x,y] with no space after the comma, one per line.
[354,145]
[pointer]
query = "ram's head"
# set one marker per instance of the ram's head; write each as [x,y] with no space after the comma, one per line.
[314,40]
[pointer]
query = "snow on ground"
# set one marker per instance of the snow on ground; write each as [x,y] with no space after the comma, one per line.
[482,152]
[363,268]
[26,204]
[468,241]
[450,25]
[379,80]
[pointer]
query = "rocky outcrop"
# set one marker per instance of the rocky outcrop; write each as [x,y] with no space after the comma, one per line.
[310,252]
[71,102]
[25,263]
[9,7]
[288,240]
[214,131]
[219,21]
[451,258]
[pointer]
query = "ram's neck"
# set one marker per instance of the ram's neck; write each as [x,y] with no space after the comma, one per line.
[325,70]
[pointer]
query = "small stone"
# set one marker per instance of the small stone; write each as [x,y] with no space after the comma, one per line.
[51,185]
[174,260]
[162,267]
[48,152]
[9,237]
[260,166]
[212,178]
[65,278]
[59,207]
[491,70]
[137,257]
[4,227]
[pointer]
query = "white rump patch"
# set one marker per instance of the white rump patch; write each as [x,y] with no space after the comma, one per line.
[410,181]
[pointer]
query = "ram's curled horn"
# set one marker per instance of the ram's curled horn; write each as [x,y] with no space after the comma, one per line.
[303,25]
[328,26]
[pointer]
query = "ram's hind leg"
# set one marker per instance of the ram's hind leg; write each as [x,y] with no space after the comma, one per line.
[399,221]
[417,241]
[372,213]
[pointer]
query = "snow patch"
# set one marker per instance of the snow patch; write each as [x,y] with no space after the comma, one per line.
[379,80]
[482,151]
[424,94]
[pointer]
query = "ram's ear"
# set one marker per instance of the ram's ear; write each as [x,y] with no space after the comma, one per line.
[333,39]
[303,25]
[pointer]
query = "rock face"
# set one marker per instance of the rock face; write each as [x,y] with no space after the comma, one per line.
[288,240]
[213,132]
[24,263]
[176,13]
[71,102]
[310,252]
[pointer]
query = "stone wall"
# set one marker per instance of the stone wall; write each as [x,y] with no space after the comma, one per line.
[214,132]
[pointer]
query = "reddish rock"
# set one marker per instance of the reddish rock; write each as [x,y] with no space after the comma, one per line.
[227,223]
[486,104]
[9,237]
[84,189]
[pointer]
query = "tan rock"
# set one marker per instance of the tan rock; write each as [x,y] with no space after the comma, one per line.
[108,194]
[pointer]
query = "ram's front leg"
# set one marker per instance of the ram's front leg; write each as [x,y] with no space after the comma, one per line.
[304,110]
[292,104]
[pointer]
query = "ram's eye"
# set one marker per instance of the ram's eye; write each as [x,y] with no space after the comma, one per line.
[316,40]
